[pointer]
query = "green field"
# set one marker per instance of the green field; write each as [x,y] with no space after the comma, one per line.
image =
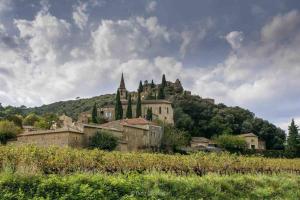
[149,186]
[30,172]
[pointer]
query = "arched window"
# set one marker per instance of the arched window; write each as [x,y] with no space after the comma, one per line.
[159,110]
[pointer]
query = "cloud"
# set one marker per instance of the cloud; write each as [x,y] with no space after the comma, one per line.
[80,15]
[193,35]
[235,38]
[151,6]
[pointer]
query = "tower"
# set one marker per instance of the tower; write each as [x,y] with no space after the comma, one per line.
[122,89]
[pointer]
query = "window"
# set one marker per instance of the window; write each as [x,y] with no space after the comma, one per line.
[252,146]
[167,110]
[159,110]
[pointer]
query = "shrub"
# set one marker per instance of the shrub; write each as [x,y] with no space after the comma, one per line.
[231,143]
[8,130]
[103,140]
[174,138]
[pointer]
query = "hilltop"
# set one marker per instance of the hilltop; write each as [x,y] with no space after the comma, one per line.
[192,113]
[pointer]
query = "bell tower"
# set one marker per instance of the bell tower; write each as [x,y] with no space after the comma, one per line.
[122,89]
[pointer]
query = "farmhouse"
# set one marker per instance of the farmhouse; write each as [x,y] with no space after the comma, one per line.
[253,142]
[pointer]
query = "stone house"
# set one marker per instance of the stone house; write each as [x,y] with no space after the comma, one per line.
[133,135]
[253,142]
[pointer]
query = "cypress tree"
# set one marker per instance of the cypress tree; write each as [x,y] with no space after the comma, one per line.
[149,114]
[161,93]
[293,141]
[140,87]
[118,107]
[129,108]
[152,84]
[163,81]
[139,106]
[94,114]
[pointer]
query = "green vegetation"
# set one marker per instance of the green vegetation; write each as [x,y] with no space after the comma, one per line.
[161,93]
[174,138]
[103,140]
[140,89]
[139,106]
[148,186]
[149,114]
[94,114]
[163,81]
[8,130]
[293,141]
[67,160]
[118,107]
[129,108]
[231,143]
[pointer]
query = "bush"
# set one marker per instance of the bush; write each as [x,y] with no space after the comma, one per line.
[231,143]
[8,130]
[103,140]
[174,138]
[149,186]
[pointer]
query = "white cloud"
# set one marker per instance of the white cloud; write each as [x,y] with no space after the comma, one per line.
[151,6]
[235,38]
[80,15]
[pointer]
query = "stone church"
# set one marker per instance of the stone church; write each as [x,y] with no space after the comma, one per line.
[161,109]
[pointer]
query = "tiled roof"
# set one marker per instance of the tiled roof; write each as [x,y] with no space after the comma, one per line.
[135,121]
[60,130]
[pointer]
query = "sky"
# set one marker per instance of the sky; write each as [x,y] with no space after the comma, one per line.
[241,53]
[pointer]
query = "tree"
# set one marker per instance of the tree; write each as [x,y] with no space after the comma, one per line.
[104,140]
[152,84]
[231,142]
[293,141]
[129,108]
[42,124]
[31,119]
[163,81]
[161,93]
[118,107]
[149,114]
[139,106]
[140,89]
[174,138]
[94,114]
[8,130]
[16,119]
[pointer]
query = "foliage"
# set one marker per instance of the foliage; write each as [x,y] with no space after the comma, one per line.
[30,119]
[129,108]
[140,89]
[104,140]
[152,84]
[8,130]
[148,186]
[68,160]
[94,114]
[174,138]
[149,114]
[16,119]
[46,121]
[118,107]
[163,81]
[202,118]
[139,106]
[231,142]
[161,93]
[293,141]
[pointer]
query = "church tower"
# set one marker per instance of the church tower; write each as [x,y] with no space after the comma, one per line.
[122,89]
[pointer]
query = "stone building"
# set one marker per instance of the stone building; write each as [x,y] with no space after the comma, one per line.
[253,142]
[161,109]
[133,135]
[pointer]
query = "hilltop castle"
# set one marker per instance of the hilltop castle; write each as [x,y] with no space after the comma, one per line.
[161,109]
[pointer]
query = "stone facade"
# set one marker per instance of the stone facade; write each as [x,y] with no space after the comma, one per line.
[133,135]
[253,142]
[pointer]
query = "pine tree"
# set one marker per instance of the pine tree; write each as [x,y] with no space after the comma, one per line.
[139,106]
[140,87]
[163,81]
[118,107]
[149,114]
[94,114]
[161,93]
[293,141]
[152,84]
[129,108]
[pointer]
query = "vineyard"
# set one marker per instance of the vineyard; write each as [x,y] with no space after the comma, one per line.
[148,186]
[54,160]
